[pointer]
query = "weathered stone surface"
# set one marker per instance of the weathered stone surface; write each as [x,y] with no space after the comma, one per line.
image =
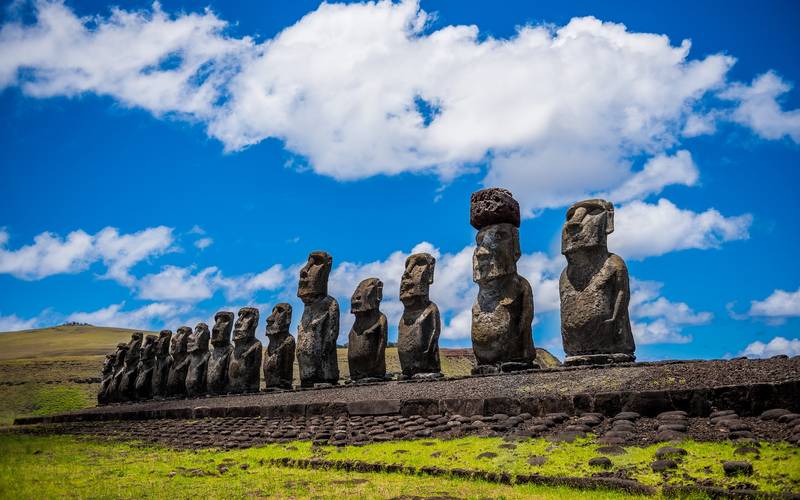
[421,324]
[279,360]
[319,326]
[663,465]
[106,378]
[366,348]
[197,347]
[162,364]
[144,372]
[503,312]
[737,467]
[602,462]
[244,367]
[220,355]
[176,380]
[127,388]
[594,289]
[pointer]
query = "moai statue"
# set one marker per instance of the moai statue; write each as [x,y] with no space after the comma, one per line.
[217,377]
[366,348]
[128,388]
[502,315]
[244,368]
[418,332]
[594,289]
[319,326]
[107,376]
[144,372]
[117,382]
[197,347]
[279,361]
[176,380]
[162,365]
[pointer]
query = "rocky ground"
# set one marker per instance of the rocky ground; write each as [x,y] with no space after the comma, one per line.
[626,428]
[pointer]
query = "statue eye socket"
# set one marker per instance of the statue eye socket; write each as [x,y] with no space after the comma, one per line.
[596,211]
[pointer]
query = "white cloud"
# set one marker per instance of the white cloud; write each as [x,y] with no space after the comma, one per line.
[203,243]
[775,309]
[14,323]
[656,319]
[51,254]
[179,284]
[154,316]
[197,230]
[244,286]
[659,172]
[758,107]
[644,230]
[380,91]
[776,346]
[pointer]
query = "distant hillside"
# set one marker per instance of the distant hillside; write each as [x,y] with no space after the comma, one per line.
[61,341]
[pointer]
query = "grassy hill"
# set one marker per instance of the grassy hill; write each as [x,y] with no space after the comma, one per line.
[60,341]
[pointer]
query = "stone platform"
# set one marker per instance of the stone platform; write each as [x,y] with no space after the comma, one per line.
[747,387]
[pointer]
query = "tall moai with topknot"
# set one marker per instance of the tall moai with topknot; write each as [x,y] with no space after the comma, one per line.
[502,316]
[319,327]
[244,367]
[220,355]
[594,289]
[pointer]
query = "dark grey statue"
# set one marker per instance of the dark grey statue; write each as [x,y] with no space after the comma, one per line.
[144,372]
[197,347]
[106,378]
[319,326]
[176,380]
[217,376]
[128,387]
[502,315]
[366,348]
[162,364]
[244,367]
[418,332]
[594,288]
[114,390]
[279,360]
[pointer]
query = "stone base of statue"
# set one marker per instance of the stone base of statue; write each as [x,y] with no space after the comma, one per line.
[599,359]
[507,367]
[427,376]
[321,385]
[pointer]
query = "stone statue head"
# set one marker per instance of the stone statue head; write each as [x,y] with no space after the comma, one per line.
[246,323]
[164,342]
[496,253]
[367,296]
[180,340]
[108,364]
[134,348]
[223,325]
[588,224]
[198,340]
[280,319]
[149,347]
[314,276]
[418,276]
[122,350]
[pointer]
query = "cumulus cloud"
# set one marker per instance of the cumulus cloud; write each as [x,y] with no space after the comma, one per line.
[246,285]
[14,323]
[152,316]
[657,173]
[758,108]
[382,91]
[203,243]
[645,230]
[776,346]
[657,320]
[52,254]
[775,309]
[178,283]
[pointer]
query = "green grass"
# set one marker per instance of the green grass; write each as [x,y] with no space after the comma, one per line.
[60,466]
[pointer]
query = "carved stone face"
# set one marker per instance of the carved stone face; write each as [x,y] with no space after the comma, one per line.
[223,325]
[164,342]
[198,340]
[122,350]
[134,348]
[180,340]
[418,276]
[108,364]
[246,323]
[496,253]
[367,296]
[314,276]
[588,224]
[149,347]
[280,319]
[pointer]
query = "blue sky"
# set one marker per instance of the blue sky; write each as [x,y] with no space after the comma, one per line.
[162,162]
